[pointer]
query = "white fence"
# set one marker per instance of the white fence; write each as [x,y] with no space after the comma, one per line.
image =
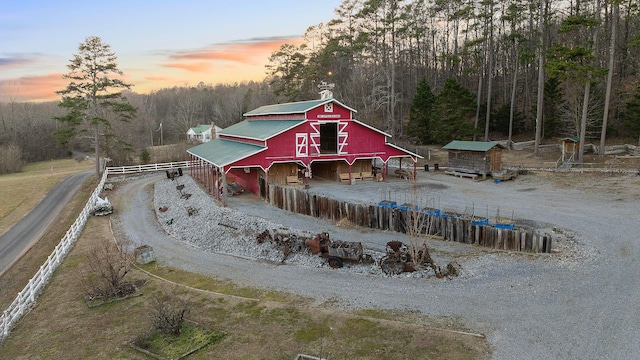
[27,297]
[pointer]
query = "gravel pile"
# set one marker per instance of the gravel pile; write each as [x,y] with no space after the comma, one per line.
[188,214]
[192,216]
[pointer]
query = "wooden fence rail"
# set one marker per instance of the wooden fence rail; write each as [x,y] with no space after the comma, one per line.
[27,297]
[450,228]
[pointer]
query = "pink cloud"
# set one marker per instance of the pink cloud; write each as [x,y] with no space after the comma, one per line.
[158,78]
[200,66]
[30,88]
[252,52]
[35,88]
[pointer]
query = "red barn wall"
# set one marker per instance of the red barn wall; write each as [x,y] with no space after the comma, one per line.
[338,113]
[246,180]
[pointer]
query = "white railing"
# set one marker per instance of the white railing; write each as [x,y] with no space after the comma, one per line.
[123,170]
[27,297]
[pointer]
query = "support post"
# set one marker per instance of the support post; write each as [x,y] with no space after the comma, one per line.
[224,188]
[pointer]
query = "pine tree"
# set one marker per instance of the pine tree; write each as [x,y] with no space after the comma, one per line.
[420,113]
[92,96]
[454,110]
[632,115]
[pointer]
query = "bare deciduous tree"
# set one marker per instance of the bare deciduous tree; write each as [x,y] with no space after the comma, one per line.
[418,226]
[108,267]
[10,159]
[169,311]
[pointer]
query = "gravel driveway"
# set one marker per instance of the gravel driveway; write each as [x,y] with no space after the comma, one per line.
[581,302]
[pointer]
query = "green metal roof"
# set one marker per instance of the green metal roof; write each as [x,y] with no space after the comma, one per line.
[299,107]
[201,128]
[471,145]
[288,108]
[573,138]
[260,129]
[222,152]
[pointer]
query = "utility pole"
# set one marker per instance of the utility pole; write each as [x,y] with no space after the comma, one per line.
[161,139]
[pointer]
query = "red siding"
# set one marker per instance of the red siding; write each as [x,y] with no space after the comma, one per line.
[338,113]
[248,180]
[243,140]
[362,142]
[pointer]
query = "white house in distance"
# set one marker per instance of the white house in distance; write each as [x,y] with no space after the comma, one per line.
[203,133]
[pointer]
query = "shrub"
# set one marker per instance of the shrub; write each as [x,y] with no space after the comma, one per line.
[168,312]
[11,159]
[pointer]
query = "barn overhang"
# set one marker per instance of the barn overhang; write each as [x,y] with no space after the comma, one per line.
[222,153]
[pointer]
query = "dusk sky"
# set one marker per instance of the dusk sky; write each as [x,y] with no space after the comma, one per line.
[159,43]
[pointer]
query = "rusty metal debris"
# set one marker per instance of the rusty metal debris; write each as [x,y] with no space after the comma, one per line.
[183,195]
[284,240]
[234,189]
[337,252]
[264,236]
[397,260]
[171,174]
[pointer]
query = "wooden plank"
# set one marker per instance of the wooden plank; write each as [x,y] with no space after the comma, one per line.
[384,218]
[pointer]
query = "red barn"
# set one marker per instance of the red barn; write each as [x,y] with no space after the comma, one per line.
[294,143]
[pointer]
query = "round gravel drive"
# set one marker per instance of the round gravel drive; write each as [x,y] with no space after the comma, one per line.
[580,302]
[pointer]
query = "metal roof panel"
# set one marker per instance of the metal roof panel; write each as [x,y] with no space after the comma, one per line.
[221,152]
[287,108]
[471,145]
[299,107]
[260,129]
[201,128]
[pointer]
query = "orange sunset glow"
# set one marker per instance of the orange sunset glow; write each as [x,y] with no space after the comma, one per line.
[224,63]
[171,45]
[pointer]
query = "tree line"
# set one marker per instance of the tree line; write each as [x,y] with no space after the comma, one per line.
[428,71]
[578,59]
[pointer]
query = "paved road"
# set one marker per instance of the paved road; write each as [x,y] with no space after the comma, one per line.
[15,242]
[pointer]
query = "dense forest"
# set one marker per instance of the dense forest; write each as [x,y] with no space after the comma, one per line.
[425,71]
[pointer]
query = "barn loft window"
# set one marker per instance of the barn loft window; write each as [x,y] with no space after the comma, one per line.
[329,138]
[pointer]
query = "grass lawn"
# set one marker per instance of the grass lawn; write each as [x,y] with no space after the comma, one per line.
[256,324]
[21,192]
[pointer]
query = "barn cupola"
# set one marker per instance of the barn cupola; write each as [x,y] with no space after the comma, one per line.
[325,90]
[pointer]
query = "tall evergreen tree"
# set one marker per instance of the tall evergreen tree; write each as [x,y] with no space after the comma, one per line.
[420,113]
[288,71]
[92,96]
[454,111]
[632,115]
[551,107]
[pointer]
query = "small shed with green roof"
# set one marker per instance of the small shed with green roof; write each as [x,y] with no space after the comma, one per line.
[570,148]
[475,157]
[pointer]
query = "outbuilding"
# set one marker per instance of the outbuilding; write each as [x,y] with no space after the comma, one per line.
[203,133]
[570,148]
[475,157]
[294,143]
